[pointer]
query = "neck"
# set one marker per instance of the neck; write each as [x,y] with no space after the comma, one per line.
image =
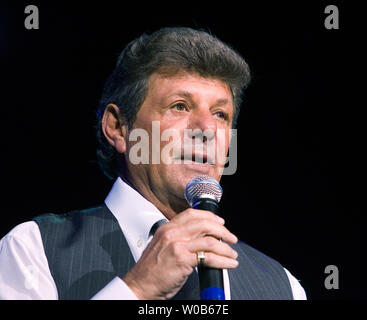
[168,205]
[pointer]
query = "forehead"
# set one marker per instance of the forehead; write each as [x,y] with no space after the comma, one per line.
[163,86]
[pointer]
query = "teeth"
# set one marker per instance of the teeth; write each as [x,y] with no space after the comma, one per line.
[195,158]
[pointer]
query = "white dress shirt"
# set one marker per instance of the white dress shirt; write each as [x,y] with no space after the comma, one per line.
[24,270]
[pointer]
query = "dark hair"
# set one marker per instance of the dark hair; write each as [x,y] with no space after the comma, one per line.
[167,50]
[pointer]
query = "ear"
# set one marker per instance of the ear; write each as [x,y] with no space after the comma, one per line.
[114,129]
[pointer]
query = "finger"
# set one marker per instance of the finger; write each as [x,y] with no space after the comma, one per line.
[202,227]
[195,229]
[210,244]
[219,262]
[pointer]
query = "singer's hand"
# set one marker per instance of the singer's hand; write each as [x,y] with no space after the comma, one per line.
[171,255]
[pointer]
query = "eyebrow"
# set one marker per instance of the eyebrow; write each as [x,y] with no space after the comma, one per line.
[188,95]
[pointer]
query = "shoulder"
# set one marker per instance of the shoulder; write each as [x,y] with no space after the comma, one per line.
[26,232]
[72,221]
[59,218]
[267,265]
[299,292]
[24,265]
[27,235]
[23,240]
[77,226]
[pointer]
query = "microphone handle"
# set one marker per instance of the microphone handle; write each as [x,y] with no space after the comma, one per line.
[211,279]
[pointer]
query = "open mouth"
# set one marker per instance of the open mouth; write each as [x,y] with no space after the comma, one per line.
[195,158]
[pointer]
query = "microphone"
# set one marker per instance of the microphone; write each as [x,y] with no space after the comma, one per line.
[204,193]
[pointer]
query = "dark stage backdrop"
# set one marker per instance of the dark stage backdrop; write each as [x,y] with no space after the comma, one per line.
[296,195]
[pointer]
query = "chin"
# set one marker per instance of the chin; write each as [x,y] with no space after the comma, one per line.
[200,169]
[179,178]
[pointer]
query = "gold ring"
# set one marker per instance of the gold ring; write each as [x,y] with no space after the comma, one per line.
[201,257]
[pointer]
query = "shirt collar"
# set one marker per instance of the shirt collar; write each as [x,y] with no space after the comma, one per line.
[135,215]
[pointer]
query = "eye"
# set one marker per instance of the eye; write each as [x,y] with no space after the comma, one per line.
[179,106]
[222,115]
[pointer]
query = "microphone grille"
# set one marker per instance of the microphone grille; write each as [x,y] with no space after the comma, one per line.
[203,186]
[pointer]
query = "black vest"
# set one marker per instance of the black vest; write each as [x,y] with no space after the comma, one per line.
[87,249]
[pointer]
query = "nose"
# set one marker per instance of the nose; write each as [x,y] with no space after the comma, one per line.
[203,126]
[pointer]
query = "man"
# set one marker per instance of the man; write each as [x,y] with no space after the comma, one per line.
[175,80]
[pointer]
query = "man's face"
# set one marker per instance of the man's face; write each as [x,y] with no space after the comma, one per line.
[187,106]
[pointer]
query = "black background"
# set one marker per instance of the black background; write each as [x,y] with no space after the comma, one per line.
[297,192]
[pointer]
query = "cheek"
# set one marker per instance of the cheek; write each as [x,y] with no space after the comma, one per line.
[222,144]
[172,140]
